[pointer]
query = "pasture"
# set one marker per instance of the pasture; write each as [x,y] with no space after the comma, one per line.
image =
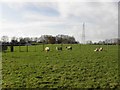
[79,68]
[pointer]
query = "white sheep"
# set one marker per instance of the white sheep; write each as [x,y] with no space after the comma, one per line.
[69,48]
[100,49]
[47,49]
[59,48]
[97,49]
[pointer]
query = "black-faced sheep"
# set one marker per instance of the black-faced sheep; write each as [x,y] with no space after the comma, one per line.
[59,48]
[47,49]
[97,49]
[100,49]
[69,48]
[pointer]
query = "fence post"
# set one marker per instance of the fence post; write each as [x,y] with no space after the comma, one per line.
[27,48]
[19,47]
[12,48]
[61,42]
[35,47]
[43,46]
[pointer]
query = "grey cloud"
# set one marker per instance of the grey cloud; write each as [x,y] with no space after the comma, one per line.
[100,21]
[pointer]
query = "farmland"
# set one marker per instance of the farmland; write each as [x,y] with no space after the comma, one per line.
[78,68]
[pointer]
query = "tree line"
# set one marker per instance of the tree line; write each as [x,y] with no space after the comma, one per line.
[113,41]
[49,39]
[46,39]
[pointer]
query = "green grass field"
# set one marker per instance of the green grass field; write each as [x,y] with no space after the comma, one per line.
[79,68]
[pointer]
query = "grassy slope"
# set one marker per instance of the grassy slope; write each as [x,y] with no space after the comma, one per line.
[79,68]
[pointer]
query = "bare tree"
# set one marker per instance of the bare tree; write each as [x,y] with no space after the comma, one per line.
[14,40]
[5,39]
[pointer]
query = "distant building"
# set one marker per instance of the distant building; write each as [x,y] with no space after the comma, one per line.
[89,42]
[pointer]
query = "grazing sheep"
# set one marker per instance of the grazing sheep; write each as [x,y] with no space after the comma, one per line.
[97,49]
[100,49]
[47,49]
[69,48]
[59,48]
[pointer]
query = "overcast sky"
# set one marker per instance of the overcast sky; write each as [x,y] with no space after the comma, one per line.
[34,19]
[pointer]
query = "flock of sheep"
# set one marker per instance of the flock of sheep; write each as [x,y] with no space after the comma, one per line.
[58,48]
[70,48]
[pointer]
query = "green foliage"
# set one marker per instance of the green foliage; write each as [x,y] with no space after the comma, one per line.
[79,68]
